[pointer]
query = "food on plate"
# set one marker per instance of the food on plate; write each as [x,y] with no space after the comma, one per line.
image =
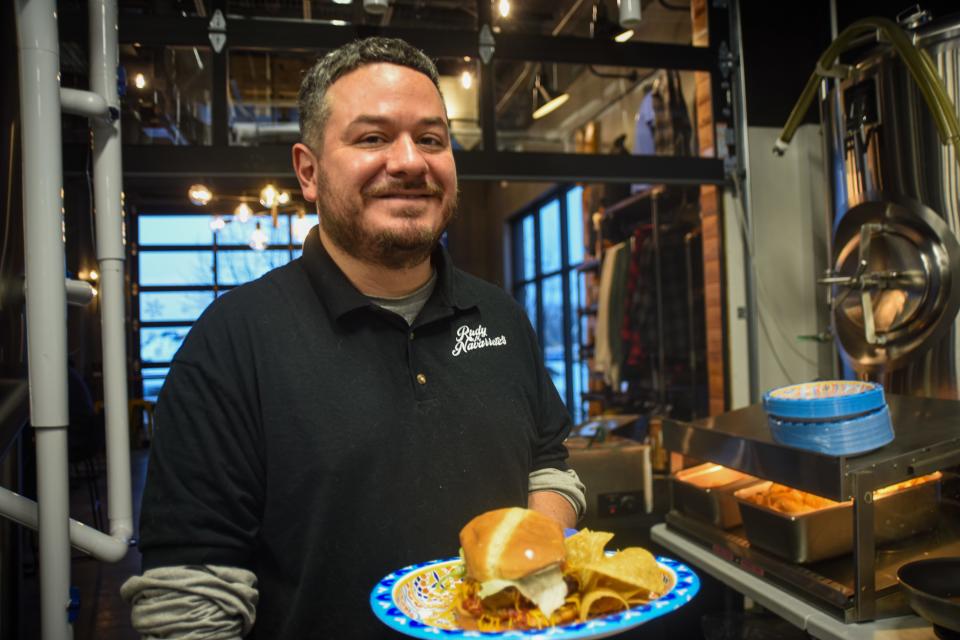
[520,573]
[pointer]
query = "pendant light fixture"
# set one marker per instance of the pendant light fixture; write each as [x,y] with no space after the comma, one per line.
[549,104]
[258,239]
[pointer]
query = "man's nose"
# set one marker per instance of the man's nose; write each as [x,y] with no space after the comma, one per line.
[405,158]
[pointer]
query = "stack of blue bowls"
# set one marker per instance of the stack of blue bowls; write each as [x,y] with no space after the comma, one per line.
[835,418]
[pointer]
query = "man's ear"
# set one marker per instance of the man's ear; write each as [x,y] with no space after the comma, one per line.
[305,165]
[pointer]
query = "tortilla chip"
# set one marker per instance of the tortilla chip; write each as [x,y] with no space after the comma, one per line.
[600,602]
[630,570]
[584,548]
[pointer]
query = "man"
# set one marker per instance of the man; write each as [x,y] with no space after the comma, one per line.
[345,415]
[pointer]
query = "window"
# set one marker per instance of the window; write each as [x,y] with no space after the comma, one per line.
[547,247]
[181,265]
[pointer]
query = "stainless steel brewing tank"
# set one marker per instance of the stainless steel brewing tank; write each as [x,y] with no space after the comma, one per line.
[895,281]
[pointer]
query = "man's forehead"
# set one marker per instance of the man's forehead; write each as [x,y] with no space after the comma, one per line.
[382,84]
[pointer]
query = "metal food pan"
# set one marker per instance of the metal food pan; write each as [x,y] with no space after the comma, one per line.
[706,491]
[828,532]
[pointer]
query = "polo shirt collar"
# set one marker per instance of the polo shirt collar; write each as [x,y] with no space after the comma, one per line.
[340,296]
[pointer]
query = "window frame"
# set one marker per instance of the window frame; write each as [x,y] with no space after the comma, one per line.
[567,271]
[135,248]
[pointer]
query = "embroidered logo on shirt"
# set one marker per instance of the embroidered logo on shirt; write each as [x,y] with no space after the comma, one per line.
[470,339]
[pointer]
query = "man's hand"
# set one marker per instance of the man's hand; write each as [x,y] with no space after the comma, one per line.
[554,505]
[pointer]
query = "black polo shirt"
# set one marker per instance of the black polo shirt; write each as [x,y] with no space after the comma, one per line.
[321,442]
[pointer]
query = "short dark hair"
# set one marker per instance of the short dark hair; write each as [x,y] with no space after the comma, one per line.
[314,110]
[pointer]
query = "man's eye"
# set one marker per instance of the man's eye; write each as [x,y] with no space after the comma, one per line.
[371,138]
[432,141]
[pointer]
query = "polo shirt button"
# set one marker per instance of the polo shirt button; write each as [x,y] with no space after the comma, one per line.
[411,335]
[422,379]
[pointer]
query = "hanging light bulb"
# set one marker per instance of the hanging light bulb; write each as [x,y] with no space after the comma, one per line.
[139,81]
[217,223]
[93,276]
[243,213]
[199,194]
[268,196]
[283,197]
[466,80]
[550,103]
[504,7]
[258,239]
[624,36]
[301,226]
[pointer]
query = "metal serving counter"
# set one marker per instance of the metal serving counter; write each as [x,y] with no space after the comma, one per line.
[864,588]
[792,609]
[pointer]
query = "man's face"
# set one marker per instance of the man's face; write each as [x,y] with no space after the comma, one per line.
[386,180]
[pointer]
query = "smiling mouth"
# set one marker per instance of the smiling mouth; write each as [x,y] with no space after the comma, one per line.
[404,196]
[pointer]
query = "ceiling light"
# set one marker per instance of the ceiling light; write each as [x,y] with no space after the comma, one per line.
[269,196]
[550,104]
[504,8]
[283,197]
[242,213]
[466,79]
[626,35]
[93,275]
[258,239]
[199,194]
[629,13]
[301,226]
[139,81]
[378,7]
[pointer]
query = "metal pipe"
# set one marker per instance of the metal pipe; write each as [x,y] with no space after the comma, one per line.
[14,292]
[80,293]
[691,322]
[46,304]
[84,103]
[743,180]
[658,290]
[108,189]
[83,537]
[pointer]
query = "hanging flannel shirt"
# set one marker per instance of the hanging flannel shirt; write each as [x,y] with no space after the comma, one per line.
[639,321]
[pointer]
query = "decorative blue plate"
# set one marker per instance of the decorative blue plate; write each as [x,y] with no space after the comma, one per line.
[416,601]
[841,438]
[824,401]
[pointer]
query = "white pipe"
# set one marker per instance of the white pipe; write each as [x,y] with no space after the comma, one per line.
[84,103]
[80,293]
[88,539]
[108,189]
[46,304]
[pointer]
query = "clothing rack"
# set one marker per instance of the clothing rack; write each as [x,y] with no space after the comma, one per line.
[619,222]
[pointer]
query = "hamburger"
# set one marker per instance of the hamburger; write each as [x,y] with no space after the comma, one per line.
[514,568]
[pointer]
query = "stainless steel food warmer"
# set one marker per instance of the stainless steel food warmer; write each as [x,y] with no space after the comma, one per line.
[853,587]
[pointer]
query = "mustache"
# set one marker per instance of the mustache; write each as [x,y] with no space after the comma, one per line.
[399,186]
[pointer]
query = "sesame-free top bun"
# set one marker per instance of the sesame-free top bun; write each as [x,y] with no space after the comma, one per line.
[510,544]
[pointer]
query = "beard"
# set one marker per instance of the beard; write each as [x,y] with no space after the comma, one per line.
[401,248]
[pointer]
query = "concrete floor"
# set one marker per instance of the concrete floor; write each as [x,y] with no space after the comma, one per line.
[103,614]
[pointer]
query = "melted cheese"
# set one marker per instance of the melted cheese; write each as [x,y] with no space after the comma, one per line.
[545,588]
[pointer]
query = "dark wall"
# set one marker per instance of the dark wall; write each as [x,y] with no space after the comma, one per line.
[782,42]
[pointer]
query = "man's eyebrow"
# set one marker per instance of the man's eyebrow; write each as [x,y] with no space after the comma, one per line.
[380,120]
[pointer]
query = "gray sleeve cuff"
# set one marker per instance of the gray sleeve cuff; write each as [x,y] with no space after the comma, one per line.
[566,483]
[212,602]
